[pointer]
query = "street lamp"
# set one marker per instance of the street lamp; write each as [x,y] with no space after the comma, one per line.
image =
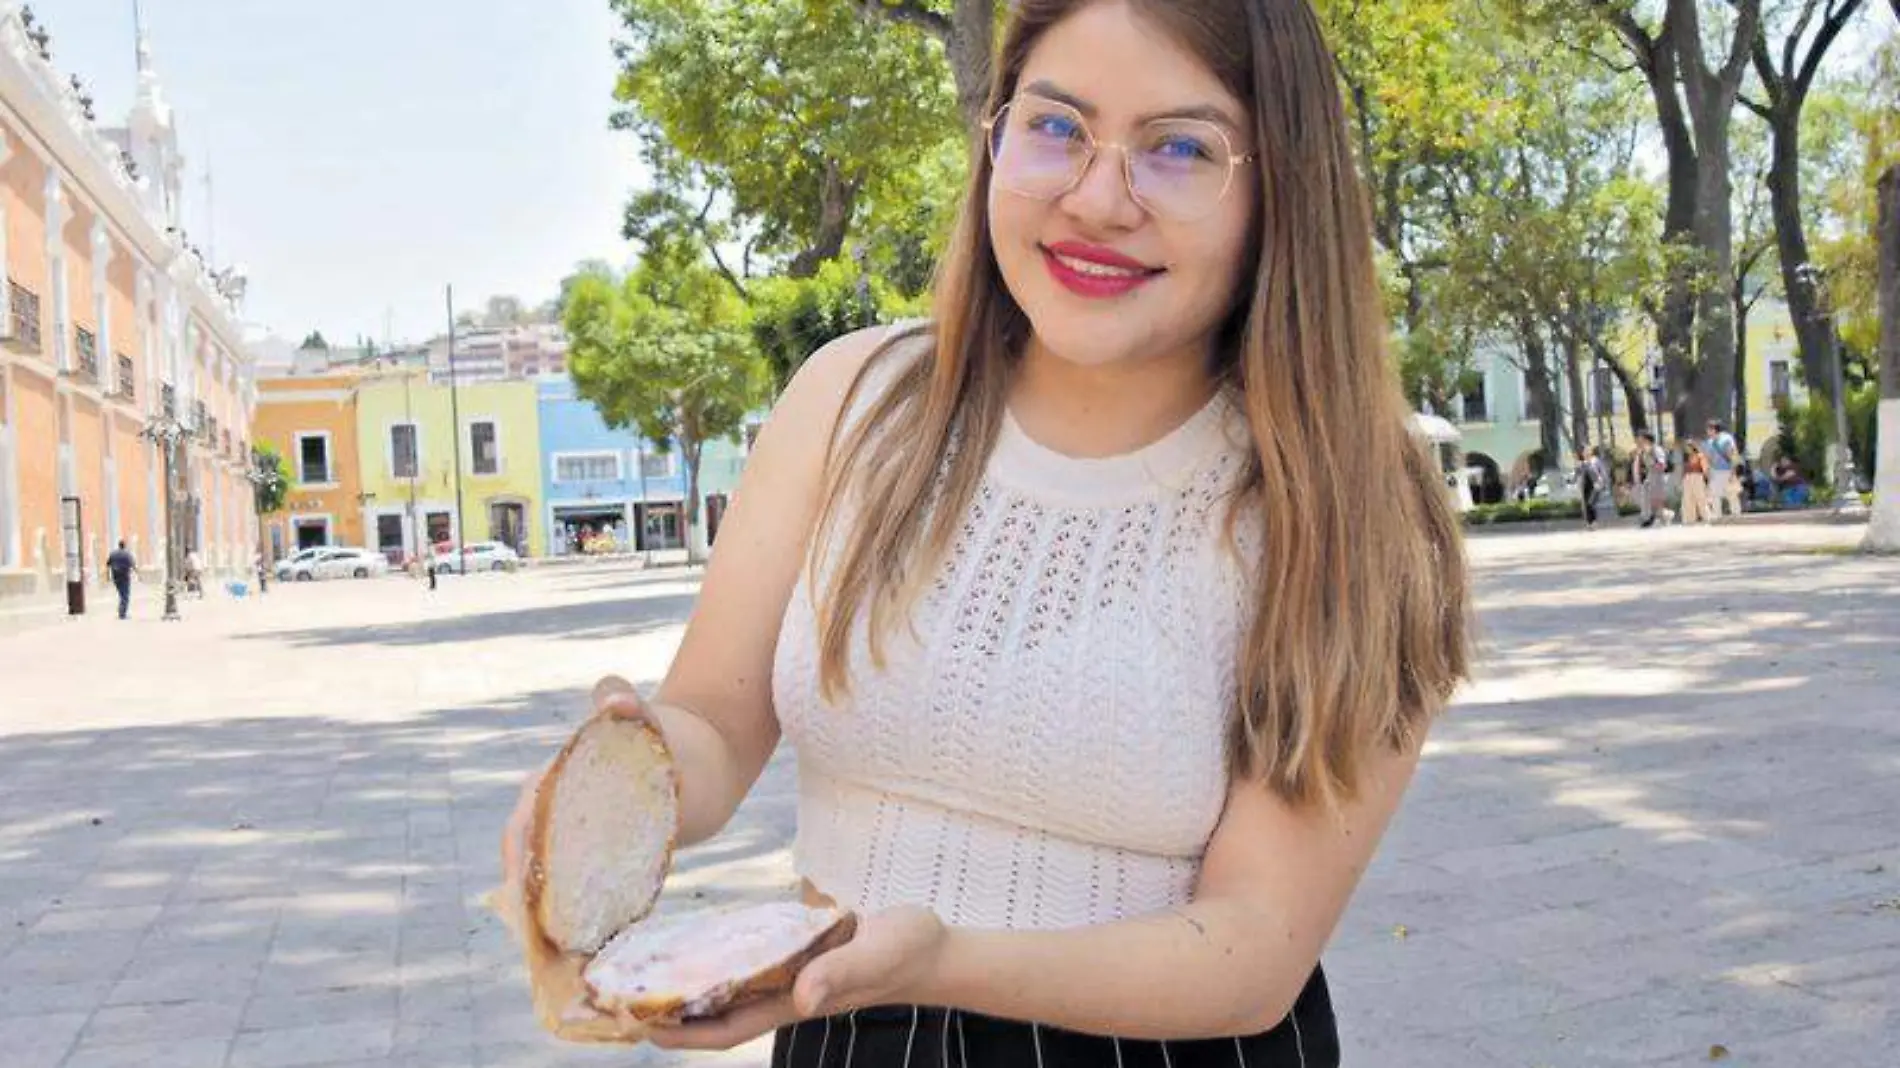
[1846,482]
[165,431]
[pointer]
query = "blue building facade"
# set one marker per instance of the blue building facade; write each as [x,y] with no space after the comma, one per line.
[612,490]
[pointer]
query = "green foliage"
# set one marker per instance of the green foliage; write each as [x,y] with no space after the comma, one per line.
[773,127]
[1804,432]
[1863,427]
[667,351]
[1532,511]
[273,482]
[314,340]
[794,317]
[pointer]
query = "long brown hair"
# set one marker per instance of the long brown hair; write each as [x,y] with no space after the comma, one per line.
[1359,635]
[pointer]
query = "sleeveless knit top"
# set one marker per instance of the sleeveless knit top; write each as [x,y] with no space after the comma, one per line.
[1044,746]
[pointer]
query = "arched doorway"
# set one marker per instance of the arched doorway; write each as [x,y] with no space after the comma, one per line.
[1487,486]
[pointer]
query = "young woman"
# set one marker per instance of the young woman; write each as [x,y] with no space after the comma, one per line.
[1697,505]
[1107,613]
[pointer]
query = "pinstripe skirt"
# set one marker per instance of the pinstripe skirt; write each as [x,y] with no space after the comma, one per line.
[920,1037]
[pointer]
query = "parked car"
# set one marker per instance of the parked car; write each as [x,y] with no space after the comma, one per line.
[351,563]
[479,556]
[288,568]
[330,562]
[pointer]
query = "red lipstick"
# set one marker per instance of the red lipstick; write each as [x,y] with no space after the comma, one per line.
[1116,274]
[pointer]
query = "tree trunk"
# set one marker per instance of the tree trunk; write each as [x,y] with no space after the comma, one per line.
[1742,305]
[1883,534]
[1634,395]
[690,451]
[1813,331]
[968,36]
[837,198]
[1537,381]
[1710,95]
[971,45]
[1579,400]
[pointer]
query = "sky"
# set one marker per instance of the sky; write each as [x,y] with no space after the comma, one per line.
[364,155]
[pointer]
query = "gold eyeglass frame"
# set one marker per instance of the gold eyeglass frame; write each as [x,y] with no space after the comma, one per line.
[1234,160]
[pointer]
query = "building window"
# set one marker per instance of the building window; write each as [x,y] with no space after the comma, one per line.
[1477,406]
[587,467]
[483,449]
[1780,382]
[313,459]
[403,460]
[656,465]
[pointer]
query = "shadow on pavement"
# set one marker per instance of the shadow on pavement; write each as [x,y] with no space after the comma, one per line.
[244,877]
[589,621]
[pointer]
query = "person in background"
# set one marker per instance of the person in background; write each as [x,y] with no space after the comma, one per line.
[1723,455]
[120,565]
[1648,470]
[1590,482]
[1696,506]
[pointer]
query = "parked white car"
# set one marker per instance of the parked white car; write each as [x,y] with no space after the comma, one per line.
[300,562]
[479,556]
[352,563]
[332,562]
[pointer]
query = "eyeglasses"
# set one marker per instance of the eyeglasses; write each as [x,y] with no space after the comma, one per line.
[1178,169]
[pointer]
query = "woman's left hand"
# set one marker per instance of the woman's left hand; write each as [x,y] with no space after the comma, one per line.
[888,962]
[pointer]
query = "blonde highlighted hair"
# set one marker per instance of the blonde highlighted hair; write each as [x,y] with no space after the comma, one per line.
[1359,634]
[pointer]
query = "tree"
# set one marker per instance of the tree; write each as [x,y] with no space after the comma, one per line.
[794,317]
[504,311]
[1787,76]
[1556,240]
[1883,533]
[314,341]
[772,128]
[273,478]
[667,351]
[966,29]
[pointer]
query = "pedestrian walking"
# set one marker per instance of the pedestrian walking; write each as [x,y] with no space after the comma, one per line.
[121,566]
[1107,611]
[1696,505]
[263,573]
[1649,471]
[1724,456]
[1590,483]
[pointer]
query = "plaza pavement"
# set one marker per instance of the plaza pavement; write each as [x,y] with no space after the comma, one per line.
[1663,826]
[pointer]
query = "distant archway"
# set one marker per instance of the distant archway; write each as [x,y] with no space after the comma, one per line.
[1487,487]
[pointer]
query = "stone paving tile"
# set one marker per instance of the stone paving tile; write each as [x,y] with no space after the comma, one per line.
[1609,857]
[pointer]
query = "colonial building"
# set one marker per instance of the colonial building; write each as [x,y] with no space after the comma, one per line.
[112,328]
[312,424]
[605,480]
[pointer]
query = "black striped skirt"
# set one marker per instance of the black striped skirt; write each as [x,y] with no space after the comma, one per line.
[921,1037]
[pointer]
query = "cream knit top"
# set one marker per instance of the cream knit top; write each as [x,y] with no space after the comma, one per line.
[1047,749]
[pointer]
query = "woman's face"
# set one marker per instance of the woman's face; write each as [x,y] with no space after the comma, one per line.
[1103,277]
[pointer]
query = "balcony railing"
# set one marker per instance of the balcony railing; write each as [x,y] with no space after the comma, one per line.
[86,345]
[22,333]
[124,365]
[168,401]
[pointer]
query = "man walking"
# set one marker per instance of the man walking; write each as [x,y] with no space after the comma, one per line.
[121,565]
[1724,491]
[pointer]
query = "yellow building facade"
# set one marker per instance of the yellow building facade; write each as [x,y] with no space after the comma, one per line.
[312,423]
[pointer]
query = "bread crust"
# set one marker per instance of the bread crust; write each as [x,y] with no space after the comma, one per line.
[778,979]
[559,993]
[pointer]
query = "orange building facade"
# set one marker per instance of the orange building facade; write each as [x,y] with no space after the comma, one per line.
[110,326]
[312,423]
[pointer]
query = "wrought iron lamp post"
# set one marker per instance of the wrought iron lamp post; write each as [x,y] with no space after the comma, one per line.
[165,431]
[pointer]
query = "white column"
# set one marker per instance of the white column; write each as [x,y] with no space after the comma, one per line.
[102,305]
[56,272]
[9,478]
